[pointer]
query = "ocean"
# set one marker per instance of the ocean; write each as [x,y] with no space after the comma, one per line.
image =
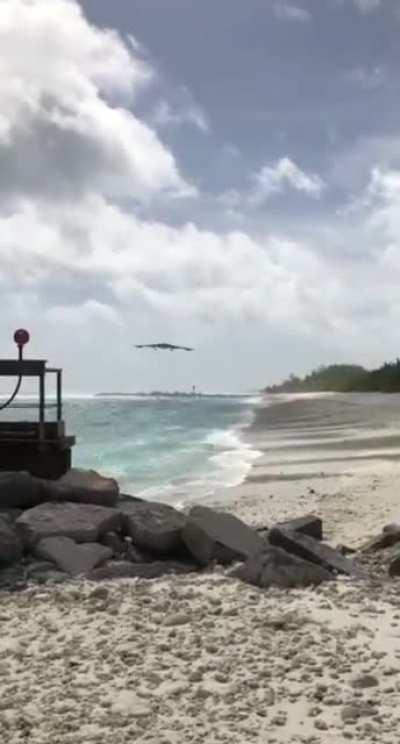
[174,449]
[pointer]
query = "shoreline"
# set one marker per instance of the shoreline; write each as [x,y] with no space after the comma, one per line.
[324,454]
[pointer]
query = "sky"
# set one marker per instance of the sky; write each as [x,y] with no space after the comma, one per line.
[223,175]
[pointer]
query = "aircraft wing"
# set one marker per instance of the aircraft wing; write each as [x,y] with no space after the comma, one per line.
[163,347]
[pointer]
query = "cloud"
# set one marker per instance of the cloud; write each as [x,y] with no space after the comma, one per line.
[282,175]
[368,79]
[165,115]
[367,6]
[285,11]
[83,268]
[67,90]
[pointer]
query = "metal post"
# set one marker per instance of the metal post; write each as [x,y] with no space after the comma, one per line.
[41,407]
[59,395]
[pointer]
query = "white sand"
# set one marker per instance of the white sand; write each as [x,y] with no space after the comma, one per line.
[204,658]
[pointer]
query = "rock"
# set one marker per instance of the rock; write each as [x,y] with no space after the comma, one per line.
[311,550]
[345,549]
[382,541]
[394,567]
[80,522]
[210,535]
[392,527]
[128,703]
[83,487]
[13,578]
[43,572]
[113,541]
[134,555]
[125,569]
[11,548]
[70,557]
[309,525]
[129,499]
[10,515]
[364,681]
[20,490]
[153,526]
[275,567]
[352,712]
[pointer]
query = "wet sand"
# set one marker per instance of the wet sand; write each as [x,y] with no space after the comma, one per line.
[204,659]
[336,455]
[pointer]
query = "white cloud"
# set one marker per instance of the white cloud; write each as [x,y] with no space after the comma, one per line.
[89,275]
[165,115]
[63,123]
[282,175]
[285,11]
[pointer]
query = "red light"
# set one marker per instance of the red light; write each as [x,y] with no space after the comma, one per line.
[21,337]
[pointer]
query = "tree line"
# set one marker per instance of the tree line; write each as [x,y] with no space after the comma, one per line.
[343,378]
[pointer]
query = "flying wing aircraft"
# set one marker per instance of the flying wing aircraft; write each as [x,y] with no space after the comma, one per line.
[163,347]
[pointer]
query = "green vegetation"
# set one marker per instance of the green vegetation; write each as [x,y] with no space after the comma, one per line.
[344,378]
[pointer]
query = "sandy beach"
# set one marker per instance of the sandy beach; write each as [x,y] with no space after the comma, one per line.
[205,658]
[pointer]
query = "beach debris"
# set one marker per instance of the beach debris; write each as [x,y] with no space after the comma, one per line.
[10,544]
[70,557]
[154,526]
[217,536]
[128,570]
[80,522]
[276,567]
[311,550]
[82,486]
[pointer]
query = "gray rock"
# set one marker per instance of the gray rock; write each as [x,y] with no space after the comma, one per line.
[394,566]
[71,557]
[275,567]
[43,572]
[20,490]
[10,515]
[210,535]
[80,522]
[309,525]
[13,578]
[128,498]
[153,526]
[11,548]
[83,487]
[125,569]
[311,550]
[392,527]
[382,541]
[364,681]
[345,549]
[113,541]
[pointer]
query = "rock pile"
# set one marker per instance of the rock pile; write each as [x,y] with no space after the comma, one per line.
[82,525]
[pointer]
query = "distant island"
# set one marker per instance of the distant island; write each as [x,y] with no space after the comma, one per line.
[168,394]
[343,378]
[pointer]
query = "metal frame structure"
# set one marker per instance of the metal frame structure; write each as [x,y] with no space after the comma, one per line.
[41,446]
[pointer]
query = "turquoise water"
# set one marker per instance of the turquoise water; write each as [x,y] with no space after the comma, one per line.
[177,449]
